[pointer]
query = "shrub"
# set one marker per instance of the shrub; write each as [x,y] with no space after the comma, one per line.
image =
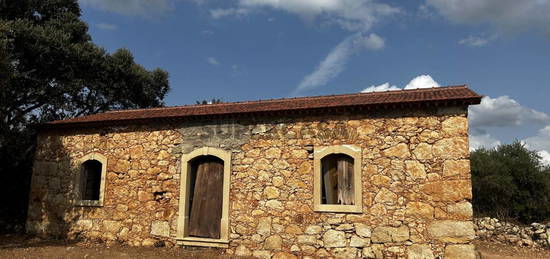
[510,182]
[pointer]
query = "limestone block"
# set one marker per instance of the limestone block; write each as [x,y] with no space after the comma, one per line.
[356,241]
[111,226]
[460,252]
[274,242]
[462,210]
[284,255]
[345,227]
[420,251]
[345,252]
[160,228]
[455,126]
[380,180]
[452,231]
[148,242]
[452,148]
[368,252]
[307,240]
[274,204]
[271,192]
[293,229]
[399,151]
[415,170]
[453,190]
[385,196]
[362,230]
[242,251]
[423,151]
[313,230]
[278,181]
[262,254]
[456,167]
[390,234]
[333,238]
[419,210]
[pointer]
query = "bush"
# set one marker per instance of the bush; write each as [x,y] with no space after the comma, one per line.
[510,182]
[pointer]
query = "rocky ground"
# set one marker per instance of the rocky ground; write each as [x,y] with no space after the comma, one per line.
[17,246]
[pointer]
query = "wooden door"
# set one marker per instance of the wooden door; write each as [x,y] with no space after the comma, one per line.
[207,198]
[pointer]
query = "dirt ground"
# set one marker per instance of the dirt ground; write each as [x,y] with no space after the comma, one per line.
[20,246]
[494,250]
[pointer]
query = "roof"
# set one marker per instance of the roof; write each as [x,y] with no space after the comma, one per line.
[440,96]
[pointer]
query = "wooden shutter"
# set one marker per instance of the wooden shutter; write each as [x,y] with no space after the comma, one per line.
[330,180]
[206,207]
[345,180]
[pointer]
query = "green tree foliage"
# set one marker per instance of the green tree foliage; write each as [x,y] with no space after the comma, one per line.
[510,182]
[50,69]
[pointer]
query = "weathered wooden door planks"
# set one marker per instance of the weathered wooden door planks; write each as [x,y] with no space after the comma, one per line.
[206,206]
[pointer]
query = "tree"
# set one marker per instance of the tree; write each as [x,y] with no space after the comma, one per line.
[213,101]
[50,69]
[510,182]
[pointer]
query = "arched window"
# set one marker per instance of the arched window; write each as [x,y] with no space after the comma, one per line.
[337,179]
[204,198]
[90,180]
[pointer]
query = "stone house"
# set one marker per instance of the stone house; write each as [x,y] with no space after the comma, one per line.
[369,175]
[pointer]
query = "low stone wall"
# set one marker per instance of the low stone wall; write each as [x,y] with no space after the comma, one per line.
[493,229]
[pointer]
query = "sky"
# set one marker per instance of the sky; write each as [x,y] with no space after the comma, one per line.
[239,50]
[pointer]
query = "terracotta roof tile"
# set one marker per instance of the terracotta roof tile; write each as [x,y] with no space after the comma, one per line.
[451,95]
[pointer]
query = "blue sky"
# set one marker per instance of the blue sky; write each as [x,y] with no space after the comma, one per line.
[259,49]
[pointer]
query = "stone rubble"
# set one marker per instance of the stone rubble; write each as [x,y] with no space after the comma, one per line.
[492,229]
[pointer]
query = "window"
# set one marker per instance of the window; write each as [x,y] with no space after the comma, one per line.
[90,181]
[204,204]
[337,179]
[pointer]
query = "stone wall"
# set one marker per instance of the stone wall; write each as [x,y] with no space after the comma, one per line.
[493,229]
[415,177]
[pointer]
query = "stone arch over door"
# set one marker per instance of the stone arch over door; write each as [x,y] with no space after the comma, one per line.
[210,159]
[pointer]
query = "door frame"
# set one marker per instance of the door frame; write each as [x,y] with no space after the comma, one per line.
[183,211]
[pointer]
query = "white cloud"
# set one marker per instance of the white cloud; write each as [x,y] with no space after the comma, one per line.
[349,14]
[504,112]
[335,62]
[541,141]
[482,141]
[422,81]
[380,88]
[473,41]
[505,15]
[545,157]
[106,26]
[207,32]
[220,13]
[132,7]
[213,61]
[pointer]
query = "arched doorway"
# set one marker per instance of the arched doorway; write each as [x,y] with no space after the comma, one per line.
[205,197]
